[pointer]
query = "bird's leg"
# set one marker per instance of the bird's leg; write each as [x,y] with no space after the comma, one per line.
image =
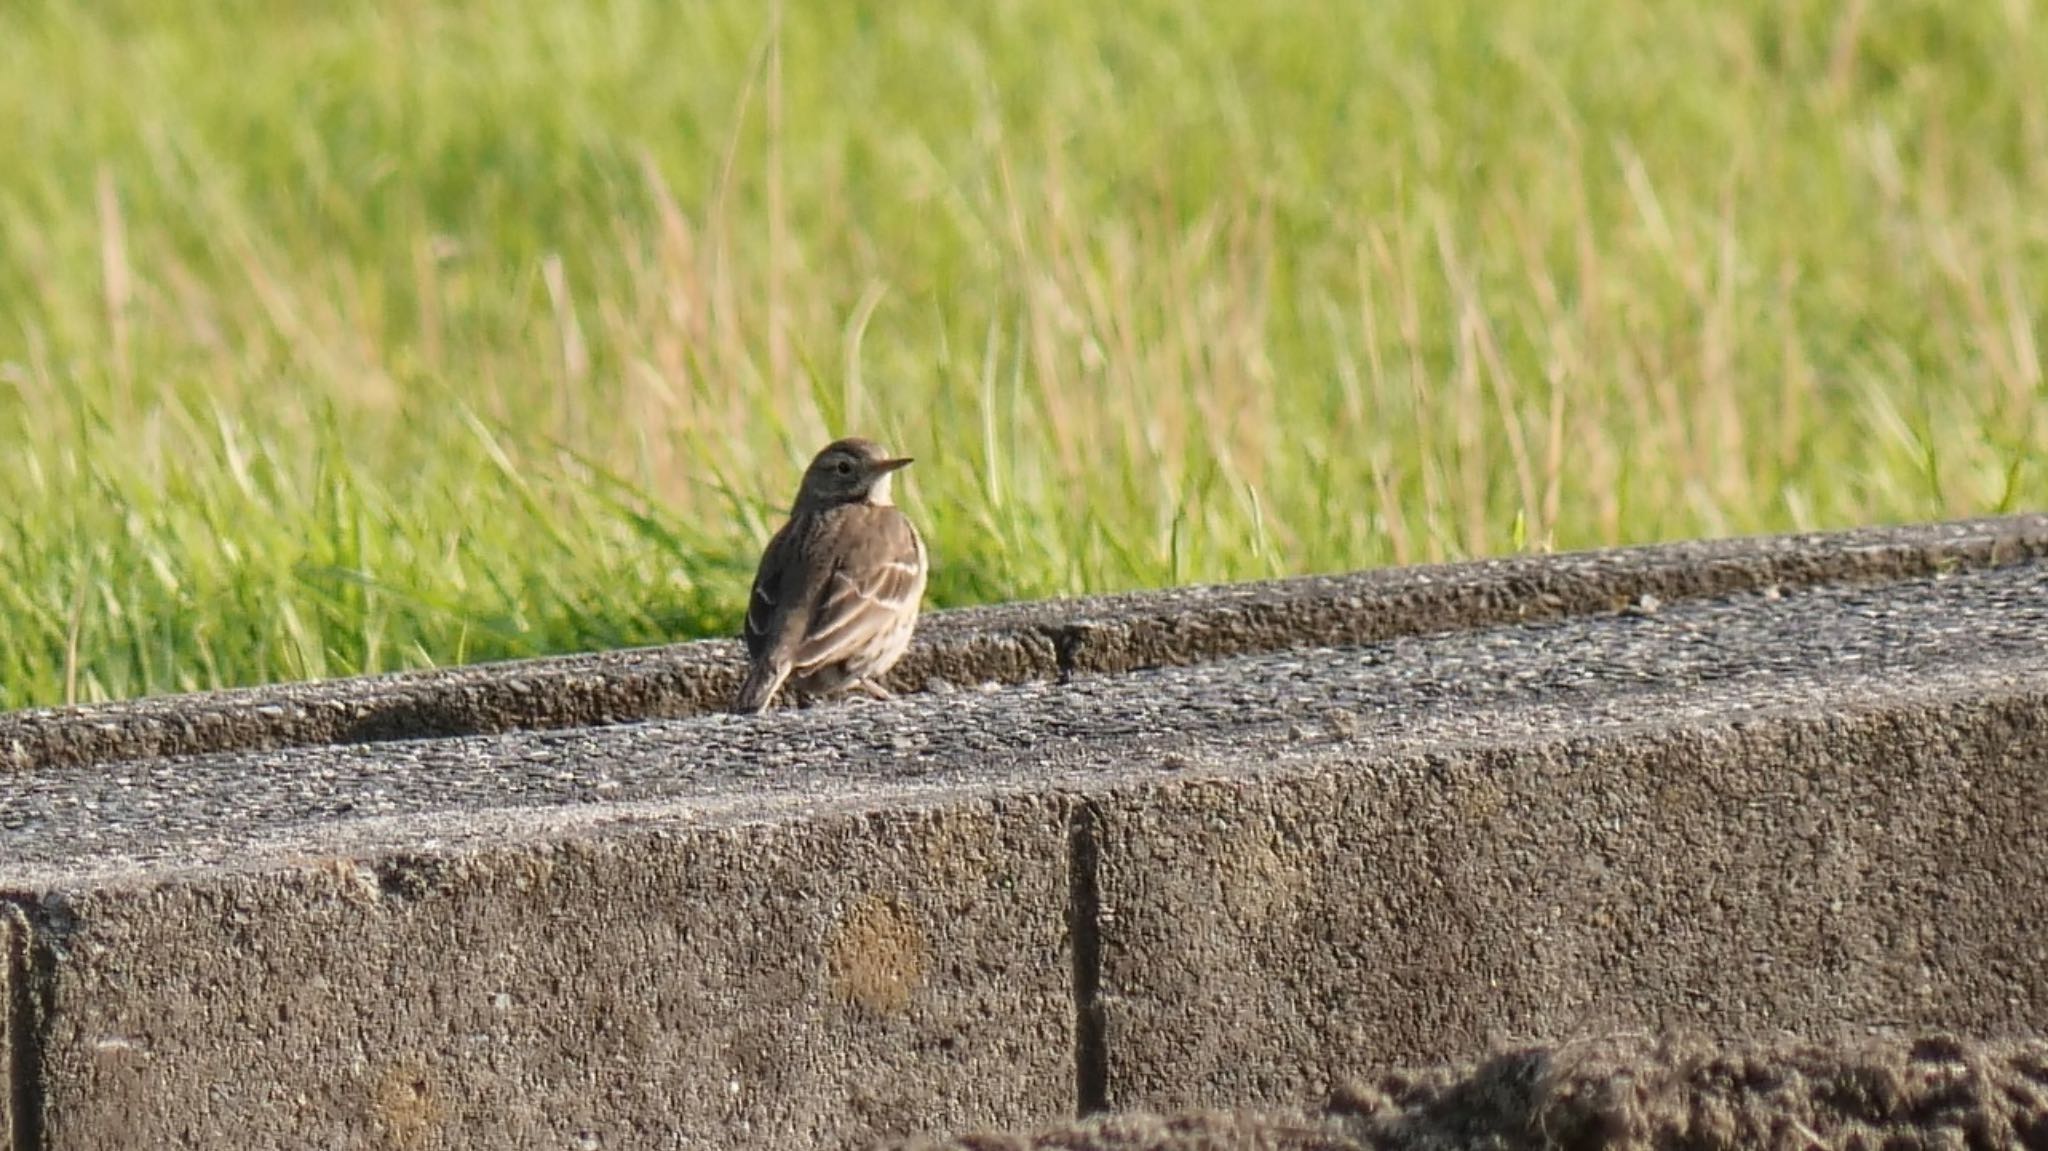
[874,690]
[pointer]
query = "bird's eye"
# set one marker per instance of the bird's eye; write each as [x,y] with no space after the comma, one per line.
[843,467]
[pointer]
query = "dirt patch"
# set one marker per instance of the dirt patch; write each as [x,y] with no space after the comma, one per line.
[1678,1093]
[1631,1093]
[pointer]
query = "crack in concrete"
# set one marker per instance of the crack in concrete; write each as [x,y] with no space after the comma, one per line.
[28,967]
[1066,640]
[1084,932]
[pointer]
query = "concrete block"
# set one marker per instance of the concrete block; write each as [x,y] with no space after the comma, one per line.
[654,979]
[1854,858]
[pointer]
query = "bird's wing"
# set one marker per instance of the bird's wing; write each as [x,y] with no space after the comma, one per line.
[879,576]
[779,605]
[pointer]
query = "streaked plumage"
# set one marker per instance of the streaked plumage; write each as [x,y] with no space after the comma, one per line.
[836,597]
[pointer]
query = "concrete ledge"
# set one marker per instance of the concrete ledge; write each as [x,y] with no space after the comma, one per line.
[1016,643]
[1228,882]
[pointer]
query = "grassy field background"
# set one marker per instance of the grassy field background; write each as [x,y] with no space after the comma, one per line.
[359,336]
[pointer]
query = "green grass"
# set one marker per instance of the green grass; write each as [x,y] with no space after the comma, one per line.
[358,336]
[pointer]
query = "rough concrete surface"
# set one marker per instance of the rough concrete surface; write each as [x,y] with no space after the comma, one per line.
[1015,643]
[1862,866]
[1230,882]
[1207,1130]
[1928,1092]
[16,1023]
[723,982]
[1709,665]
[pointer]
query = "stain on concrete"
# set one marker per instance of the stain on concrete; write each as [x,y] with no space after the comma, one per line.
[876,956]
[407,1108]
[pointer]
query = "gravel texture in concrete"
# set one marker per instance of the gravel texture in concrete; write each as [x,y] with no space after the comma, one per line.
[1665,664]
[695,981]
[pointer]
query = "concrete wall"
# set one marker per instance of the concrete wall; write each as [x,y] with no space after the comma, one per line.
[1296,831]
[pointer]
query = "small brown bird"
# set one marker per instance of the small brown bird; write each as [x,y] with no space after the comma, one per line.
[837,593]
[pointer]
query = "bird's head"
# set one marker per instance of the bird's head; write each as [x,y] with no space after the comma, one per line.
[849,471]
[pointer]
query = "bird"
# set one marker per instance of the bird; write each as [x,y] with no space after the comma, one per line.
[836,596]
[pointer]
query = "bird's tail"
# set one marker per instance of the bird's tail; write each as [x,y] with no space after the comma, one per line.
[758,688]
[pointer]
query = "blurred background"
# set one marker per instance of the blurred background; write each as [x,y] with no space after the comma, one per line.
[350,337]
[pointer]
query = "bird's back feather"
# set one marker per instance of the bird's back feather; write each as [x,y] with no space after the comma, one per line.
[834,599]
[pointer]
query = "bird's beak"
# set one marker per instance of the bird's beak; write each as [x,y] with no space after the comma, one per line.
[884,467]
